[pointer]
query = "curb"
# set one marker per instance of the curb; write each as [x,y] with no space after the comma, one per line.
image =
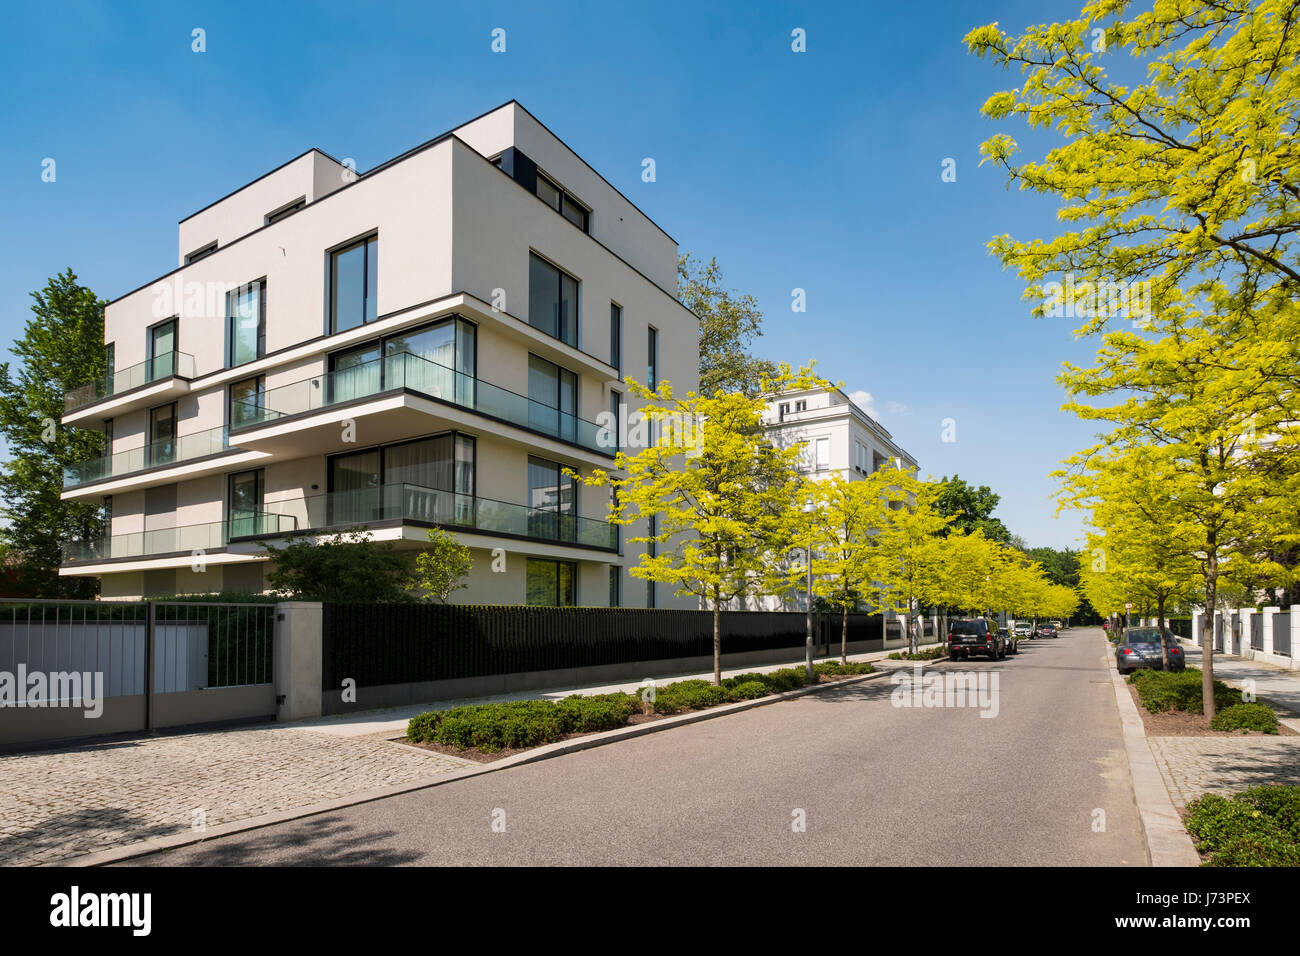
[1167,841]
[586,742]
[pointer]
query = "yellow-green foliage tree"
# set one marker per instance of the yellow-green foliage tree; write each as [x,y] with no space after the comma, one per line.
[1183,197]
[913,563]
[719,492]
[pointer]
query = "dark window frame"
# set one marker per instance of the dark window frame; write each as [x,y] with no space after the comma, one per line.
[230,394]
[616,337]
[233,296]
[331,265]
[561,275]
[288,209]
[201,253]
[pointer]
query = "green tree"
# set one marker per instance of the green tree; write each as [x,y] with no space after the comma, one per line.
[442,566]
[62,347]
[719,493]
[729,323]
[970,508]
[346,567]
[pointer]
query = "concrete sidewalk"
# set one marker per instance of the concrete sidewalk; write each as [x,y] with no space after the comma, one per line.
[1275,684]
[391,722]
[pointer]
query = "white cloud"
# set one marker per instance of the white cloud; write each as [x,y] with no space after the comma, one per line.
[896,408]
[864,401]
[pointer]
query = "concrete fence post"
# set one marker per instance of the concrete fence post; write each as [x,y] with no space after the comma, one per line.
[299,651]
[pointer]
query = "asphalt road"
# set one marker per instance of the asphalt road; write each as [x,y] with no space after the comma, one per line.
[877,784]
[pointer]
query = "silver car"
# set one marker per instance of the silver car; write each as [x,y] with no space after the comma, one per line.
[1140,647]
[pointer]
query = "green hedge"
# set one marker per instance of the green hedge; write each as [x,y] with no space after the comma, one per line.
[531,723]
[1245,717]
[1257,827]
[929,654]
[1162,691]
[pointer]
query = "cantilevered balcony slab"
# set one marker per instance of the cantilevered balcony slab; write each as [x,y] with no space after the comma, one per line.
[160,379]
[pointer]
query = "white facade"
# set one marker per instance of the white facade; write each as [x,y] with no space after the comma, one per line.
[839,437]
[390,349]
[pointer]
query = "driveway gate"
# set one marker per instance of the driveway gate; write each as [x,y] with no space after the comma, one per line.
[1257,632]
[1282,633]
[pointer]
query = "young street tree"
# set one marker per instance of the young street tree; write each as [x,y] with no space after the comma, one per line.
[718,492]
[62,347]
[1186,192]
[912,560]
[442,566]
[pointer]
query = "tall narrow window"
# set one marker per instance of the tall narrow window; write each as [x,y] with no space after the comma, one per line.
[246,401]
[246,323]
[823,454]
[162,434]
[616,418]
[552,501]
[551,583]
[552,300]
[162,350]
[615,586]
[553,399]
[244,502]
[652,358]
[616,337]
[108,436]
[354,285]
[110,359]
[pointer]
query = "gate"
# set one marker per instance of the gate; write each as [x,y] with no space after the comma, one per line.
[71,669]
[1218,632]
[1257,632]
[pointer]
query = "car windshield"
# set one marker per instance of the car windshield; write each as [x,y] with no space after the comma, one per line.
[968,627]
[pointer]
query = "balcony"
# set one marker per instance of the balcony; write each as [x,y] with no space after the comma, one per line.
[457,512]
[181,540]
[404,371]
[161,368]
[168,452]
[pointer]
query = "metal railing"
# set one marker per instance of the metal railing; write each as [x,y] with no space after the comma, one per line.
[406,502]
[194,537]
[405,370]
[166,452]
[167,365]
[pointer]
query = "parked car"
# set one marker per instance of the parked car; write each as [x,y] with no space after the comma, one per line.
[1140,647]
[977,635]
[1047,630]
[1023,629]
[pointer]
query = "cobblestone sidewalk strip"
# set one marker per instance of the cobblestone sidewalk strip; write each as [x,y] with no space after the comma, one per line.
[1192,766]
[59,804]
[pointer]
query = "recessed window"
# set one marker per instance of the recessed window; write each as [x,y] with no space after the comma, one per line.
[616,336]
[162,351]
[288,210]
[652,358]
[246,401]
[354,285]
[246,323]
[198,254]
[552,501]
[823,454]
[552,300]
[801,406]
[615,586]
[552,398]
[552,583]
[562,202]
[244,500]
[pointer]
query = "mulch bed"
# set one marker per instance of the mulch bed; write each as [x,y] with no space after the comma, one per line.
[1179,723]
[473,753]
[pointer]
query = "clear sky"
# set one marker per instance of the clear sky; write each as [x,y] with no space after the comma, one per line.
[817,170]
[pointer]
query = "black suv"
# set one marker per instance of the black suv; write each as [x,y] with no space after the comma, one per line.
[977,635]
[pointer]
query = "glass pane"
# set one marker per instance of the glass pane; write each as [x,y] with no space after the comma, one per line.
[466,362]
[541,582]
[616,337]
[547,193]
[543,392]
[652,364]
[568,310]
[354,483]
[434,376]
[372,280]
[245,502]
[347,290]
[162,347]
[245,321]
[425,464]
[162,434]
[575,214]
[246,400]
[543,296]
[355,374]
[567,586]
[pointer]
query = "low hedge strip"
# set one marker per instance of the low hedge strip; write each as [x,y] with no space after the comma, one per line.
[1257,827]
[1162,691]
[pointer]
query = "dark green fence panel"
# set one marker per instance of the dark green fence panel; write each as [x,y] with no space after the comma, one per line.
[377,644]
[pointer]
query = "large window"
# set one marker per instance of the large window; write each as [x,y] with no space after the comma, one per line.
[616,337]
[162,434]
[552,500]
[553,398]
[552,583]
[430,479]
[438,360]
[162,350]
[552,300]
[246,323]
[246,401]
[558,199]
[354,285]
[652,358]
[244,502]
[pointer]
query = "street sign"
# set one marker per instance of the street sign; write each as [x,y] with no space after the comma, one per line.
[1128,607]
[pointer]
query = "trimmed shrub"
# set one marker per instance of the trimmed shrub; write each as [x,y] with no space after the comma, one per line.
[579,714]
[787,678]
[1254,828]
[929,654]
[688,695]
[750,690]
[836,669]
[1245,717]
[1162,691]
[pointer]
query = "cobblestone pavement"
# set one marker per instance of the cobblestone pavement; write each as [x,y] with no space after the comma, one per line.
[63,803]
[1192,766]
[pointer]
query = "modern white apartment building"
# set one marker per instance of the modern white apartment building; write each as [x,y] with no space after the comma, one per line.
[838,436]
[429,343]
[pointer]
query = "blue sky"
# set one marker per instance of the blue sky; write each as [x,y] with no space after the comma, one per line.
[816,170]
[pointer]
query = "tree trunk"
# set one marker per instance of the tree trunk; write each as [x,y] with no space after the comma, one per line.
[844,635]
[717,644]
[1207,637]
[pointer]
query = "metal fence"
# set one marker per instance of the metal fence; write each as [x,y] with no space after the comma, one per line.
[1256,632]
[60,637]
[379,644]
[1282,633]
[199,645]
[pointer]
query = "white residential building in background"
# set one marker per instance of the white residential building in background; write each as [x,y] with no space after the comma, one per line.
[429,343]
[837,435]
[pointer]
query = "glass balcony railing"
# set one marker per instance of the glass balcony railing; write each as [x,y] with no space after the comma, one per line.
[140,544]
[166,452]
[343,509]
[404,370]
[167,365]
